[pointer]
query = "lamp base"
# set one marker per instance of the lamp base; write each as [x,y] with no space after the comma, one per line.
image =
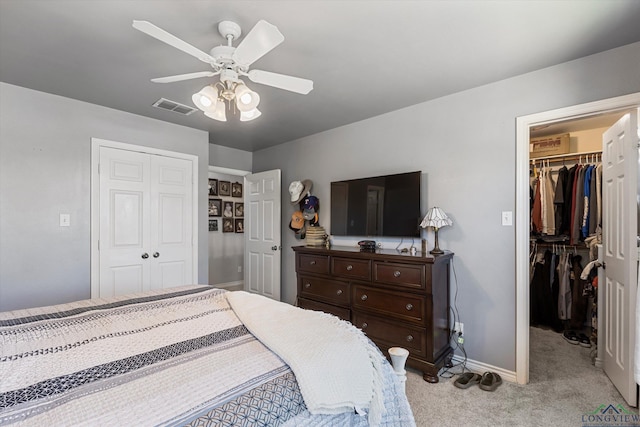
[436,250]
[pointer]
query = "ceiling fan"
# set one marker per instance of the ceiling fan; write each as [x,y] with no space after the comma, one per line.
[230,63]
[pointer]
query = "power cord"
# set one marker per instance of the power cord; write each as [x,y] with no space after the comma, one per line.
[457,338]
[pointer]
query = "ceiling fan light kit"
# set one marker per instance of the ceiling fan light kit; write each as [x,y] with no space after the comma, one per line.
[229,63]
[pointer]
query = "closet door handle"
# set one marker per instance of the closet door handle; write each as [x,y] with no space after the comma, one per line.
[156,254]
[145,255]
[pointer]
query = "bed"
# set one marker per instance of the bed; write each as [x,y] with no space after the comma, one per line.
[192,355]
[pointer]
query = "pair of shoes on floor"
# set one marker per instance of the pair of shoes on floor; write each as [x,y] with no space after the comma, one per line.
[576,339]
[489,381]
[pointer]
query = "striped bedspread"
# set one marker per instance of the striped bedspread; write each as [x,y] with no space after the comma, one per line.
[175,357]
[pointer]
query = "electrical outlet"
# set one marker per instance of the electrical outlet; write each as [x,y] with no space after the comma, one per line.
[239,269]
[458,328]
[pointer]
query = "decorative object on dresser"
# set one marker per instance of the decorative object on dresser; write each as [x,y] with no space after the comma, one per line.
[397,299]
[436,218]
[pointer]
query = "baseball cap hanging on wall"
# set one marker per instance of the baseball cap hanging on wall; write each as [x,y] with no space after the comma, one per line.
[297,224]
[299,189]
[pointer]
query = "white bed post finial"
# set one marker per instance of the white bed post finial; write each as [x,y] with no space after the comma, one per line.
[398,359]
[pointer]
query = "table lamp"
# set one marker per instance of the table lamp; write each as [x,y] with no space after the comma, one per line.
[436,218]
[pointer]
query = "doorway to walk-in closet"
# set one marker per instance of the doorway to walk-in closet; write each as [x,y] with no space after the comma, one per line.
[556,242]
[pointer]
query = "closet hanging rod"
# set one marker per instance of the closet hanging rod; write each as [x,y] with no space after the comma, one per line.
[568,156]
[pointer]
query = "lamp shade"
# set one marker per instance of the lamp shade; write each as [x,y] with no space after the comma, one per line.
[218,113]
[436,218]
[206,99]
[246,99]
[249,115]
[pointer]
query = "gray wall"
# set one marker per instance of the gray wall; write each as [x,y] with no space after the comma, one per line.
[465,145]
[45,170]
[231,158]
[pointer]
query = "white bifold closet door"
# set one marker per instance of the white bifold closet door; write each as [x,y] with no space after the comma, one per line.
[146,214]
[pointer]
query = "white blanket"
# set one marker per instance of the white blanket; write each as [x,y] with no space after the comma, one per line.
[336,367]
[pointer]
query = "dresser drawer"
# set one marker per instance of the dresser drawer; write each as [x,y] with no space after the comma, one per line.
[390,334]
[351,268]
[343,313]
[407,307]
[313,263]
[404,275]
[330,291]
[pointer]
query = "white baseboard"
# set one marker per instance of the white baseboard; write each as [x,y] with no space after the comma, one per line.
[229,284]
[480,368]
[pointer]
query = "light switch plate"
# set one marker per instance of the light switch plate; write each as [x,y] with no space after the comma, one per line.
[65,220]
[507,218]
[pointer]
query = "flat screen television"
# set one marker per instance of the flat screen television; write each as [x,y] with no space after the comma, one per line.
[381,206]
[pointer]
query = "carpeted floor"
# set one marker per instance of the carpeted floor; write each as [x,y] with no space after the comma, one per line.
[563,386]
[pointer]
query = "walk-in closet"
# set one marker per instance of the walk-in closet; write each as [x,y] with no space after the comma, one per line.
[567,199]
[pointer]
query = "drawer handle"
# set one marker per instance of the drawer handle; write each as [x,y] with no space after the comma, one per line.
[312,263]
[349,267]
[364,325]
[307,285]
[409,338]
[364,297]
[339,292]
[409,307]
[396,274]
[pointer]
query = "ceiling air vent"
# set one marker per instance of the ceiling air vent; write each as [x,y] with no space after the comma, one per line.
[167,104]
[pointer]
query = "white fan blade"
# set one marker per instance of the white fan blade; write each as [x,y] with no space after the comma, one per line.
[261,39]
[180,77]
[281,81]
[160,34]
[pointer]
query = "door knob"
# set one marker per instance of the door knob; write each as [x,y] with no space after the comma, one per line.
[145,255]
[274,248]
[156,254]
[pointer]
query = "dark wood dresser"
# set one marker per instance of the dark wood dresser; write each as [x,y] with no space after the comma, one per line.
[397,299]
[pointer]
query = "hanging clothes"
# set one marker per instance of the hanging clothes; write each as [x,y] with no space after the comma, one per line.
[578,206]
[584,228]
[536,216]
[564,292]
[548,206]
[559,199]
[543,311]
[579,301]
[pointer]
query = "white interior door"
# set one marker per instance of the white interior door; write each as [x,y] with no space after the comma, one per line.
[171,215]
[146,222]
[262,233]
[620,163]
[124,212]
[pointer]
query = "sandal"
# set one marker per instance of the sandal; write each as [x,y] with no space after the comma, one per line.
[571,337]
[467,380]
[490,381]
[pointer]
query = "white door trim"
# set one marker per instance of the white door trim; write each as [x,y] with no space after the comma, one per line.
[228,171]
[523,124]
[96,143]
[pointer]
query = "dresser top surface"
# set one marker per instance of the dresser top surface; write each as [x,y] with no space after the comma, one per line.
[385,254]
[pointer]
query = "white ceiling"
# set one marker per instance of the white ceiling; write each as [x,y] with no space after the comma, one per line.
[366,58]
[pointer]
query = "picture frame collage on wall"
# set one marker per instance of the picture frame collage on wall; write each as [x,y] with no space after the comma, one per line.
[230,211]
